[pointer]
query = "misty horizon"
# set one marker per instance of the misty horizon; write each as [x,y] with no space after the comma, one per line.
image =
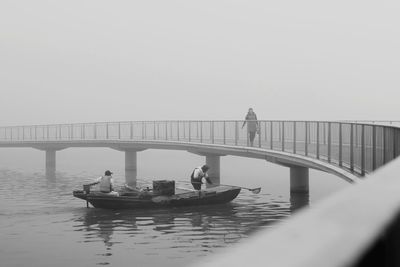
[94,61]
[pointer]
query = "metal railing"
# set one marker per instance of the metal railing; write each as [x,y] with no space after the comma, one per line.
[358,147]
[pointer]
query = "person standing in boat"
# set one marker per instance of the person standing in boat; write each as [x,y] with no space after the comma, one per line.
[197,176]
[252,125]
[106,182]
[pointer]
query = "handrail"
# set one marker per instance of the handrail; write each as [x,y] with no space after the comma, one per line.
[360,148]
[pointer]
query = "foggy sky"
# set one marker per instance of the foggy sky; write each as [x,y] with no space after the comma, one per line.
[85,61]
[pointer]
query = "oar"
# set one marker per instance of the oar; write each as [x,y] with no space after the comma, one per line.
[253,190]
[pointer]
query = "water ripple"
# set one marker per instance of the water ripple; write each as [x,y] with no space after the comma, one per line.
[35,208]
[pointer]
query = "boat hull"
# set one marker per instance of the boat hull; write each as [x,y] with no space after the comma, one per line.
[210,196]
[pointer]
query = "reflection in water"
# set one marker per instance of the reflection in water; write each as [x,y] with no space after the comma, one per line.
[298,200]
[180,232]
[50,173]
[161,237]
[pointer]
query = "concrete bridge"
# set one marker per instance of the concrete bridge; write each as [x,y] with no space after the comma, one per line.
[347,150]
[359,226]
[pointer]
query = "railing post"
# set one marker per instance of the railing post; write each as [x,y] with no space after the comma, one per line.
[119,130]
[351,147]
[107,130]
[279,132]
[340,145]
[201,131]
[272,136]
[294,137]
[72,132]
[171,132]
[384,145]
[184,130]
[23,133]
[329,141]
[83,131]
[373,147]
[131,130]
[362,150]
[265,130]
[190,131]
[154,130]
[166,131]
[317,140]
[177,129]
[283,136]
[224,132]
[236,133]
[94,131]
[356,136]
[306,139]
[143,134]
[212,131]
[47,132]
[11,133]
[259,133]
[158,130]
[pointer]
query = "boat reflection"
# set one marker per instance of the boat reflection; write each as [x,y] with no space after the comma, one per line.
[195,228]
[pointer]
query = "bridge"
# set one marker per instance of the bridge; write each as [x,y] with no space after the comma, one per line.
[349,150]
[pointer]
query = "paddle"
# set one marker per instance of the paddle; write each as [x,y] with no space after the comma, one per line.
[253,190]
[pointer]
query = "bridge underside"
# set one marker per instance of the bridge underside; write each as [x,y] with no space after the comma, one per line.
[296,162]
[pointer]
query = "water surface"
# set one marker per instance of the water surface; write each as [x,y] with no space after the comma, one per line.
[42,224]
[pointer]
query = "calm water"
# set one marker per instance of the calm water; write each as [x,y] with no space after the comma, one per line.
[42,224]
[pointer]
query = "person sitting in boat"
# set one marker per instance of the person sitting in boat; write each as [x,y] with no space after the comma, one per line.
[197,177]
[106,183]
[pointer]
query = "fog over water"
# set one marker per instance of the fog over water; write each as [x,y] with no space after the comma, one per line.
[95,61]
[44,225]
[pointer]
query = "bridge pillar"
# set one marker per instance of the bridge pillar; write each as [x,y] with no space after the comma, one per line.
[299,179]
[50,162]
[213,161]
[131,167]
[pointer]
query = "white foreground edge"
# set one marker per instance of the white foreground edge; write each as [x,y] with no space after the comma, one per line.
[334,232]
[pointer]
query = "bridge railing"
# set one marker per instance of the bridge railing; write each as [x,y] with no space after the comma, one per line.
[358,147]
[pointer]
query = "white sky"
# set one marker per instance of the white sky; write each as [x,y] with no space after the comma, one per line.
[96,60]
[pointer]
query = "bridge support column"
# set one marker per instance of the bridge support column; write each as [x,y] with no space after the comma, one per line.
[50,163]
[131,167]
[213,161]
[299,179]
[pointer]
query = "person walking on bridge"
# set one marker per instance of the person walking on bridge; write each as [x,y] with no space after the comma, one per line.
[197,176]
[252,126]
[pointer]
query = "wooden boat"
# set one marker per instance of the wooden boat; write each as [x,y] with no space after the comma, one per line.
[147,198]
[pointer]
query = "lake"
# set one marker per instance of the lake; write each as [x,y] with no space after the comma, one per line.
[42,224]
